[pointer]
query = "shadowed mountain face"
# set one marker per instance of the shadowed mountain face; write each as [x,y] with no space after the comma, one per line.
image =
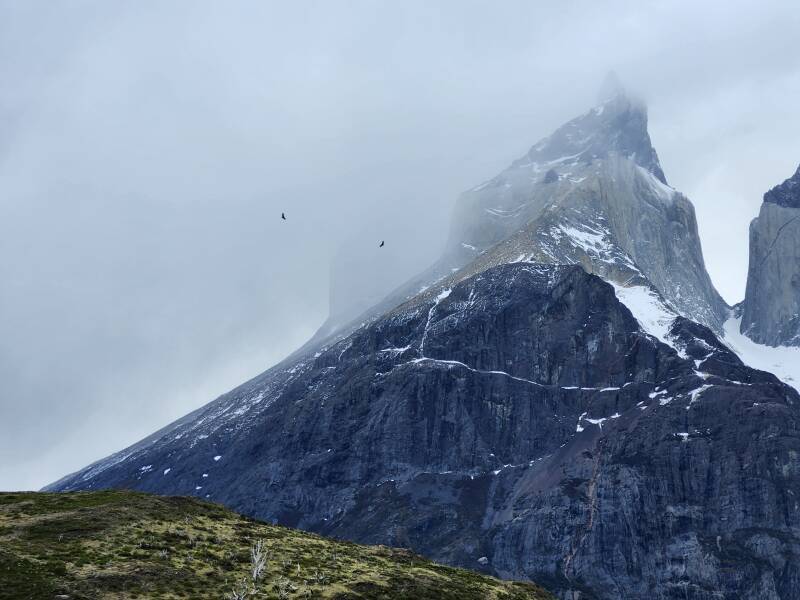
[771,309]
[522,416]
[533,406]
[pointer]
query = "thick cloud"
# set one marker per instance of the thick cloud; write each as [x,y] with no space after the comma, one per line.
[147,150]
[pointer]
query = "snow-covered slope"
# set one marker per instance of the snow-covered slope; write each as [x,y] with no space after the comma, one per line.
[649,309]
[781,361]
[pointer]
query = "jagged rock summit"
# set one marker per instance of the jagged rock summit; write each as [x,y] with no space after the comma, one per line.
[786,194]
[618,125]
[771,309]
[549,401]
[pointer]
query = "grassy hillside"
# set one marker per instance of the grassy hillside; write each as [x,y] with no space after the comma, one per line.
[116,544]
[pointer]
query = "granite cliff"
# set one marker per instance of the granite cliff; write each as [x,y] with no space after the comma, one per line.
[771,309]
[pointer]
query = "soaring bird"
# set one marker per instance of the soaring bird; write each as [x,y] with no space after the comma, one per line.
[283,216]
[381,246]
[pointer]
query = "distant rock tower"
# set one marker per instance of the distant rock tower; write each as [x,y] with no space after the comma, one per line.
[771,311]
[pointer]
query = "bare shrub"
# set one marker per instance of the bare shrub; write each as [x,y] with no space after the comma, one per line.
[258,560]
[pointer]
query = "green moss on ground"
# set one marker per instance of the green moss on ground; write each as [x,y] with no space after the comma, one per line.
[120,544]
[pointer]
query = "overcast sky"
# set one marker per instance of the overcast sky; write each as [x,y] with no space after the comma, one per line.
[148,148]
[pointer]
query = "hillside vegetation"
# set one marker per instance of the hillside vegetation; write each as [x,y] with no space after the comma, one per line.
[120,544]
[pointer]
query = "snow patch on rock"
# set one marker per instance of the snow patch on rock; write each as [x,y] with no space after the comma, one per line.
[652,313]
[781,361]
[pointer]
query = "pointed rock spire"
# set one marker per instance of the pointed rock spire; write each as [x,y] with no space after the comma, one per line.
[596,177]
[618,124]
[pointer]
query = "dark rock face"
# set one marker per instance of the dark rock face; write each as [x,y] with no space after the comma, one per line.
[522,416]
[550,177]
[771,309]
[786,194]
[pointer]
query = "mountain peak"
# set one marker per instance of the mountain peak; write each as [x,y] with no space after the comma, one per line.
[617,125]
[787,194]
